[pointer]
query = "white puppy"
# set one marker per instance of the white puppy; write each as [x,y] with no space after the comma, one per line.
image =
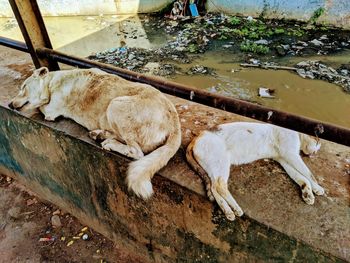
[131,118]
[212,153]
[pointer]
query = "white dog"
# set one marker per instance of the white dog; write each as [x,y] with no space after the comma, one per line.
[212,153]
[131,118]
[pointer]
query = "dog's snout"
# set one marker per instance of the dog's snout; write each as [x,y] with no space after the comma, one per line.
[11,105]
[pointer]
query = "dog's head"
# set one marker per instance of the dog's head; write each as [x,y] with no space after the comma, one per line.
[309,144]
[33,92]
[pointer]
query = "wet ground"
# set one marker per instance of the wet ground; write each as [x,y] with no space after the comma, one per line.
[206,53]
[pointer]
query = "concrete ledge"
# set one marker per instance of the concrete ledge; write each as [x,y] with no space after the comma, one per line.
[175,225]
[62,165]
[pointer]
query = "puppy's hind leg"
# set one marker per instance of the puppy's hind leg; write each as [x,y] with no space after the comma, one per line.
[225,193]
[230,215]
[210,153]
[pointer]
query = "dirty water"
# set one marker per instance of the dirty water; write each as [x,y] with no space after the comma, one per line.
[311,98]
[82,36]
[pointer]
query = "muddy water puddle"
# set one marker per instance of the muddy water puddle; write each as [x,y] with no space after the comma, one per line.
[316,99]
[84,35]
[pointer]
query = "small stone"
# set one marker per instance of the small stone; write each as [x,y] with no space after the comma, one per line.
[323,37]
[303,64]
[254,61]
[286,47]
[56,221]
[304,44]
[309,75]
[227,46]
[14,212]
[262,42]
[57,212]
[301,73]
[85,237]
[344,72]
[316,42]
[280,50]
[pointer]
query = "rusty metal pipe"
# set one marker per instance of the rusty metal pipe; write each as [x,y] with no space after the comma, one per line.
[298,123]
[11,43]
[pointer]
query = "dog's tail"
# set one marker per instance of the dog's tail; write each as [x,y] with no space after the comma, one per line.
[140,172]
[191,159]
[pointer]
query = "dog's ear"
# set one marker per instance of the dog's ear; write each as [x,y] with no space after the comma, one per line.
[40,72]
[45,93]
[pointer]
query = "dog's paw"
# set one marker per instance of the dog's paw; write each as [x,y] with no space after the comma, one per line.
[230,216]
[106,145]
[318,190]
[49,118]
[238,211]
[308,196]
[93,135]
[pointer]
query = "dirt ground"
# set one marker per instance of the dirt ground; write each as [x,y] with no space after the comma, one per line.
[24,220]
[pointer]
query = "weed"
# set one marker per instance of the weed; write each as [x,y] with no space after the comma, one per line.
[192,48]
[316,15]
[279,31]
[296,32]
[234,20]
[248,46]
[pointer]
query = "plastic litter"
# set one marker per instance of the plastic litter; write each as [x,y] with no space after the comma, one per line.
[266,92]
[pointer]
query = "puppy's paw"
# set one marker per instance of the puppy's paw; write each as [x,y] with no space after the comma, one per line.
[318,190]
[308,196]
[210,195]
[107,145]
[238,211]
[93,135]
[49,118]
[230,216]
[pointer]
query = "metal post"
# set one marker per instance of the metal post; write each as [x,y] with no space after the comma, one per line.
[31,23]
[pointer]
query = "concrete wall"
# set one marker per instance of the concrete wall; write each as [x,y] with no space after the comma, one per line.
[91,7]
[175,225]
[337,12]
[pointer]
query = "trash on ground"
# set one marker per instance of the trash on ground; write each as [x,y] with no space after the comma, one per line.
[70,243]
[47,239]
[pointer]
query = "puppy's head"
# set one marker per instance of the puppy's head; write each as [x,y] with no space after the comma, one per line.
[309,144]
[33,92]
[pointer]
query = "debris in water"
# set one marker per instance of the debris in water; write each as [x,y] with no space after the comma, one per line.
[313,69]
[266,92]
